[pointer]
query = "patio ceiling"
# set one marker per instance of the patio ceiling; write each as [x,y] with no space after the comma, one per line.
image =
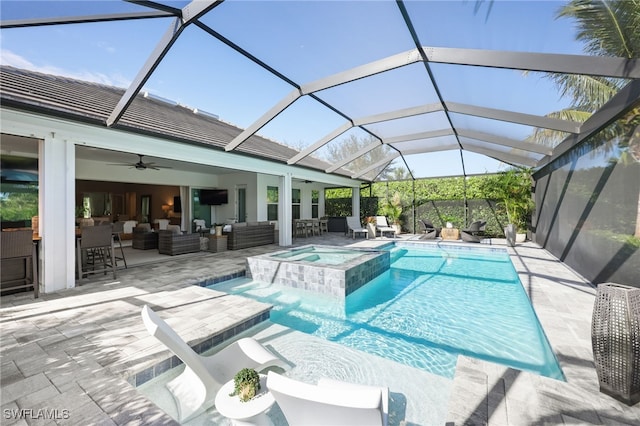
[421,87]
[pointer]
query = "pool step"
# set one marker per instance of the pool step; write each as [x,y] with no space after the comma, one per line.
[165,361]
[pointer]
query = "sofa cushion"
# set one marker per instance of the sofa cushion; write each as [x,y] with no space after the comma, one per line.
[174,229]
[143,227]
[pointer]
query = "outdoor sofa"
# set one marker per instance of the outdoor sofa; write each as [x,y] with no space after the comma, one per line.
[250,234]
[172,241]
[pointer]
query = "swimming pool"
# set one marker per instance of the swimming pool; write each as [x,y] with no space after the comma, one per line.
[431,305]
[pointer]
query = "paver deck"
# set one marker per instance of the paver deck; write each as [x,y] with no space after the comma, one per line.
[73,353]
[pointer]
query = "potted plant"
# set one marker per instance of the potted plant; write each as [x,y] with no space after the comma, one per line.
[246,384]
[392,209]
[370,222]
[513,189]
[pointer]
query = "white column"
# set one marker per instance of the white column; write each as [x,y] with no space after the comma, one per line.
[57,213]
[355,202]
[285,218]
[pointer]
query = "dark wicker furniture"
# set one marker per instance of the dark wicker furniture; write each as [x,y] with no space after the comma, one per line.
[95,252]
[427,227]
[18,261]
[171,243]
[143,239]
[474,232]
[250,234]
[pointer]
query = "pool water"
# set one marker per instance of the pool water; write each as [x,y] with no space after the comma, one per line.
[321,255]
[429,307]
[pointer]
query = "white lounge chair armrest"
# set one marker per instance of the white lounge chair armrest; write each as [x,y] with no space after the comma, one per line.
[355,387]
[305,404]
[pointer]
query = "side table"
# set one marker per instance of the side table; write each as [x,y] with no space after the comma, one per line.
[217,244]
[252,412]
[450,233]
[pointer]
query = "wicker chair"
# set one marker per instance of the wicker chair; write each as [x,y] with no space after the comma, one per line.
[172,243]
[95,251]
[118,230]
[17,247]
[427,227]
[143,239]
[474,232]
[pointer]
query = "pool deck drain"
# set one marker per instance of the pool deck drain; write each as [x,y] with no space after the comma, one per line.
[71,350]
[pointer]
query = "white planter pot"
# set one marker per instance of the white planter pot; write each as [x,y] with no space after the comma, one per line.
[521,238]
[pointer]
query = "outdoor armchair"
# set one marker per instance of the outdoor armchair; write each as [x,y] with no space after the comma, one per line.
[172,241]
[473,233]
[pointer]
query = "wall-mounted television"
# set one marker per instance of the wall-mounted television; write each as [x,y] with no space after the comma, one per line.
[177,204]
[214,197]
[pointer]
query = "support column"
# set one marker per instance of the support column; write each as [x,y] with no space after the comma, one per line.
[57,171]
[355,202]
[285,216]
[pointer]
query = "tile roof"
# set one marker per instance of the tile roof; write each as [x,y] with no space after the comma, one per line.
[93,102]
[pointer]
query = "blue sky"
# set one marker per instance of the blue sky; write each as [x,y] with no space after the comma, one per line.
[330,36]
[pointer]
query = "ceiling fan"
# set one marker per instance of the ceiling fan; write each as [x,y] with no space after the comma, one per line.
[141,165]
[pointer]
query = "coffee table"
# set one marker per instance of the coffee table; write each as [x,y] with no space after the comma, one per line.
[252,412]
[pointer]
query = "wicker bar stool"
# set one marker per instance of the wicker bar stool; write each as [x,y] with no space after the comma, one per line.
[18,246]
[95,251]
[117,230]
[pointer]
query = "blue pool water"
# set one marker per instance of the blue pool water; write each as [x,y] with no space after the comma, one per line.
[429,307]
[323,255]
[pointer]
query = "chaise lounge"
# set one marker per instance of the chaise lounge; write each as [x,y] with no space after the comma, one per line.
[330,402]
[382,226]
[195,389]
[355,227]
[474,232]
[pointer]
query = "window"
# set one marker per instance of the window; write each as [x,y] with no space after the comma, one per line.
[272,203]
[19,196]
[315,199]
[295,203]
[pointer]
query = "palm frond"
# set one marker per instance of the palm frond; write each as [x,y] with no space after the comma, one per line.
[586,92]
[608,28]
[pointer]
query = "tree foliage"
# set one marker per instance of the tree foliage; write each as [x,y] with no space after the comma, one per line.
[353,144]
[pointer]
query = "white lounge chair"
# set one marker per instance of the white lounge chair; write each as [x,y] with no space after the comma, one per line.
[383,227]
[195,389]
[329,403]
[355,227]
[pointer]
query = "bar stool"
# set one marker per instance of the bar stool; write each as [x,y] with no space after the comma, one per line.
[117,230]
[95,249]
[18,245]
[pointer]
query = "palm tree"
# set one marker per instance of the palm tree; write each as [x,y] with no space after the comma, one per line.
[607,28]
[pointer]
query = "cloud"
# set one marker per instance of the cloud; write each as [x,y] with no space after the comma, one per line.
[10,58]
